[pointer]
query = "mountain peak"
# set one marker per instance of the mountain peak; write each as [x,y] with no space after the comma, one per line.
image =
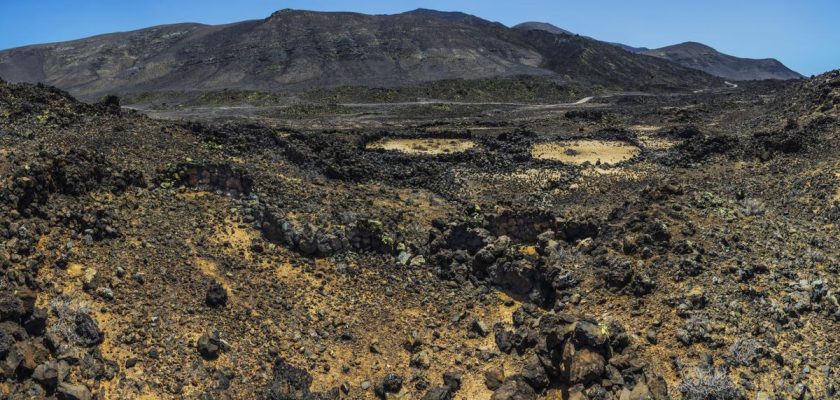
[431,11]
[291,12]
[445,15]
[692,46]
[542,26]
[282,12]
[452,16]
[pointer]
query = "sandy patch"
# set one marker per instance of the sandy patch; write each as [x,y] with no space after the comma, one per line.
[644,128]
[582,151]
[430,146]
[650,140]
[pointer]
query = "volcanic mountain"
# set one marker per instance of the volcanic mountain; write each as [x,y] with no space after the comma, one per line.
[698,56]
[299,50]
[704,58]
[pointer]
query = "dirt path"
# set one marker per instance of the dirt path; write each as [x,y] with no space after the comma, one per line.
[467,103]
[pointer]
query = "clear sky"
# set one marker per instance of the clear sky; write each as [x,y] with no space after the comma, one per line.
[803,34]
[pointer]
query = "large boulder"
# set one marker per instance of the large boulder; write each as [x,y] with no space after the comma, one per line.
[585,366]
[11,307]
[50,374]
[534,373]
[514,389]
[68,391]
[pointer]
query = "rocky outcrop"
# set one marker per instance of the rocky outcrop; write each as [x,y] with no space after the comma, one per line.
[582,356]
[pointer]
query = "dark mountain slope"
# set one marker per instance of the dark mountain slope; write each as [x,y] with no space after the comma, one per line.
[545,26]
[697,56]
[702,57]
[296,50]
[601,63]
[289,50]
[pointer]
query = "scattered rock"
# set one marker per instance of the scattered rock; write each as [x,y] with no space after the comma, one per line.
[216,296]
[480,328]
[391,383]
[438,393]
[90,280]
[210,345]
[420,360]
[452,380]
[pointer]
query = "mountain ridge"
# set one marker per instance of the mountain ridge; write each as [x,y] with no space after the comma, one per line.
[298,50]
[698,56]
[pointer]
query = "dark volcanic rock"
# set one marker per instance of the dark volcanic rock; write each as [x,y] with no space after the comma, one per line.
[216,296]
[87,331]
[208,176]
[6,342]
[514,389]
[585,366]
[534,373]
[36,323]
[452,380]
[210,345]
[438,393]
[11,308]
[290,382]
[391,383]
[50,374]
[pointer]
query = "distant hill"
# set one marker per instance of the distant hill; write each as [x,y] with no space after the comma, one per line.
[698,56]
[299,50]
[704,58]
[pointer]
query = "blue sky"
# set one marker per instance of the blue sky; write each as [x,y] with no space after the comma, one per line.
[803,34]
